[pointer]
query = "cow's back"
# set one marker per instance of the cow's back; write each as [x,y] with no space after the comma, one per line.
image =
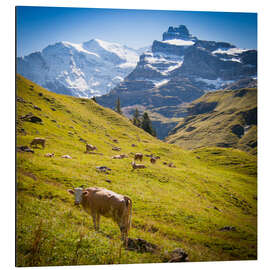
[105,202]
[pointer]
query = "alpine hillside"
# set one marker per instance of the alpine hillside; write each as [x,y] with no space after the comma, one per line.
[180,69]
[225,118]
[205,204]
[83,70]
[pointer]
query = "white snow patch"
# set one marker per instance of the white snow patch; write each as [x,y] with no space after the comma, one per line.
[231,59]
[121,51]
[128,65]
[218,83]
[79,48]
[77,83]
[118,79]
[179,42]
[162,63]
[160,83]
[231,51]
[173,67]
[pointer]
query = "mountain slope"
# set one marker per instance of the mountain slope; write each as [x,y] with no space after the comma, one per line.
[187,206]
[226,118]
[84,70]
[180,69]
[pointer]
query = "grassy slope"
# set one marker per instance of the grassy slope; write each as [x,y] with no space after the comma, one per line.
[172,207]
[214,128]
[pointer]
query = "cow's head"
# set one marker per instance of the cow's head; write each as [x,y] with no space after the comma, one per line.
[78,193]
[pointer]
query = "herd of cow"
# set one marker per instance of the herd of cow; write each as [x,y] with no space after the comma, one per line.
[100,201]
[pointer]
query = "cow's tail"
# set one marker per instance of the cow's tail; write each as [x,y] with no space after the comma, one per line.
[129,212]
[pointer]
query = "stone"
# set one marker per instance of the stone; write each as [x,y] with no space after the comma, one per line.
[25,148]
[141,245]
[227,228]
[238,130]
[178,255]
[31,118]
[104,169]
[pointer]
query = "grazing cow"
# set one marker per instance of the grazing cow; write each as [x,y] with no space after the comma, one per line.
[90,147]
[100,201]
[138,156]
[171,165]
[121,156]
[37,141]
[117,157]
[153,160]
[66,156]
[49,155]
[137,166]
[115,148]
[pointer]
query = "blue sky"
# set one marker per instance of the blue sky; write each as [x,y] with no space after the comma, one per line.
[38,27]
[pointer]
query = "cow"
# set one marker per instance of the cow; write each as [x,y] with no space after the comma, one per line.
[49,155]
[98,201]
[137,166]
[153,160]
[117,157]
[37,141]
[66,156]
[138,156]
[121,156]
[90,147]
[115,148]
[171,165]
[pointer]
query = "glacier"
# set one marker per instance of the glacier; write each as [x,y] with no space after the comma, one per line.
[87,69]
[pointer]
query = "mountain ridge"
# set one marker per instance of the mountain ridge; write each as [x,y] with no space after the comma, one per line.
[179,69]
[87,69]
[225,118]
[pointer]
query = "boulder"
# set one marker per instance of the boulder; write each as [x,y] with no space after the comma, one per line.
[25,148]
[227,228]
[177,255]
[140,245]
[31,118]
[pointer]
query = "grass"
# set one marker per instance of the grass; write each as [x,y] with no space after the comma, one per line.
[181,207]
[214,128]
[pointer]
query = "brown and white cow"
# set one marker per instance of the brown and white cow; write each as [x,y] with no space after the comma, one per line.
[138,156]
[137,166]
[49,155]
[90,147]
[121,156]
[37,141]
[100,201]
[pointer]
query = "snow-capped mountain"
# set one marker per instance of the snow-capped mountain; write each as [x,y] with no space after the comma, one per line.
[180,69]
[88,69]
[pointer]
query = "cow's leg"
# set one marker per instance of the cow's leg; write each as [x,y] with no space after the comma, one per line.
[94,220]
[123,235]
[98,219]
[123,232]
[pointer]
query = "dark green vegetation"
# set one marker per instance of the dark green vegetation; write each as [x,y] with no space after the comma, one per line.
[143,122]
[206,205]
[226,118]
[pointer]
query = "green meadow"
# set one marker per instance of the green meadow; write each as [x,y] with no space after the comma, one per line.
[183,207]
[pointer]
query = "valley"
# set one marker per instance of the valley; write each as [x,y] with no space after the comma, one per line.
[206,204]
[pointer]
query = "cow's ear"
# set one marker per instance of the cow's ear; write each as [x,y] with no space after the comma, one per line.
[85,192]
[70,191]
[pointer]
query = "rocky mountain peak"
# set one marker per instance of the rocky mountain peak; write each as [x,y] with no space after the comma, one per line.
[180,32]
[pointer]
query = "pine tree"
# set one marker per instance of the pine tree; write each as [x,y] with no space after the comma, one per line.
[118,106]
[147,125]
[136,118]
